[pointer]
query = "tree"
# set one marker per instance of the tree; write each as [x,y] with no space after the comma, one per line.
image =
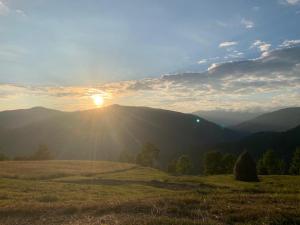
[148,155]
[42,153]
[228,161]
[184,165]
[295,164]
[270,164]
[213,163]
[261,169]
[245,168]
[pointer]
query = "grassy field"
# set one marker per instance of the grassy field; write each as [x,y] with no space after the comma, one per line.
[88,192]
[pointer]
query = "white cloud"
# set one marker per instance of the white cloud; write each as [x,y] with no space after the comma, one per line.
[202,61]
[227,44]
[247,23]
[3,9]
[290,43]
[264,47]
[292,2]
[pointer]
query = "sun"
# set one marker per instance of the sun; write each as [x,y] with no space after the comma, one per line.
[98,100]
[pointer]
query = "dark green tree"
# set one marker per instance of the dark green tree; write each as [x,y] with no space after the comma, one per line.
[270,164]
[213,163]
[228,161]
[245,168]
[148,155]
[261,169]
[42,153]
[183,165]
[295,164]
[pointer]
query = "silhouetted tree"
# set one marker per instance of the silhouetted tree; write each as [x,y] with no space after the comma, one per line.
[127,156]
[148,155]
[270,164]
[213,163]
[245,168]
[261,169]
[295,164]
[183,165]
[228,161]
[42,153]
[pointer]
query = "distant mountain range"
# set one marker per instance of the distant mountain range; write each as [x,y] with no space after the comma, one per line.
[280,120]
[227,118]
[104,133]
[252,122]
[283,143]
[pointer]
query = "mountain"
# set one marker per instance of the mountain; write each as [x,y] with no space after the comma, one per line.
[280,120]
[104,133]
[227,118]
[283,143]
[22,117]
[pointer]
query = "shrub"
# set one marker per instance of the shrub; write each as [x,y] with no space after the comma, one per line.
[270,164]
[245,168]
[213,163]
[183,165]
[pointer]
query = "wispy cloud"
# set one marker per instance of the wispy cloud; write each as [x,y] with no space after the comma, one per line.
[290,43]
[264,47]
[227,44]
[290,2]
[247,23]
[202,61]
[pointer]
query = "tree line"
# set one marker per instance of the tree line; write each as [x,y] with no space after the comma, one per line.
[41,153]
[214,162]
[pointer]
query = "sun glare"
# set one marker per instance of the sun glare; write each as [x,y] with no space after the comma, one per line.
[98,100]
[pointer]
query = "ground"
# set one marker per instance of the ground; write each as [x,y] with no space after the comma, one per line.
[97,192]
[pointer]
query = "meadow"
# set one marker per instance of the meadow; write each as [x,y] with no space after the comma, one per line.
[100,192]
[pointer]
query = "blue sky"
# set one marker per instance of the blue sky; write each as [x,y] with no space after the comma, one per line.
[96,43]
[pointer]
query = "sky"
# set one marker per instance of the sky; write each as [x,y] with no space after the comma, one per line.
[173,54]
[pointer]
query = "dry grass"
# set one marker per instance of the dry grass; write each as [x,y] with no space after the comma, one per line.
[114,193]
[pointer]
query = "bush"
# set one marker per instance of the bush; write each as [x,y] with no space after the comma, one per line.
[245,168]
[217,163]
[270,164]
[213,163]
[183,165]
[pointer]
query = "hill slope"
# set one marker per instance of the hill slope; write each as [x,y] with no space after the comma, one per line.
[279,120]
[283,143]
[104,133]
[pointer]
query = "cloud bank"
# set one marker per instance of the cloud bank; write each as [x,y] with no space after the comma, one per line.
[273,80]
